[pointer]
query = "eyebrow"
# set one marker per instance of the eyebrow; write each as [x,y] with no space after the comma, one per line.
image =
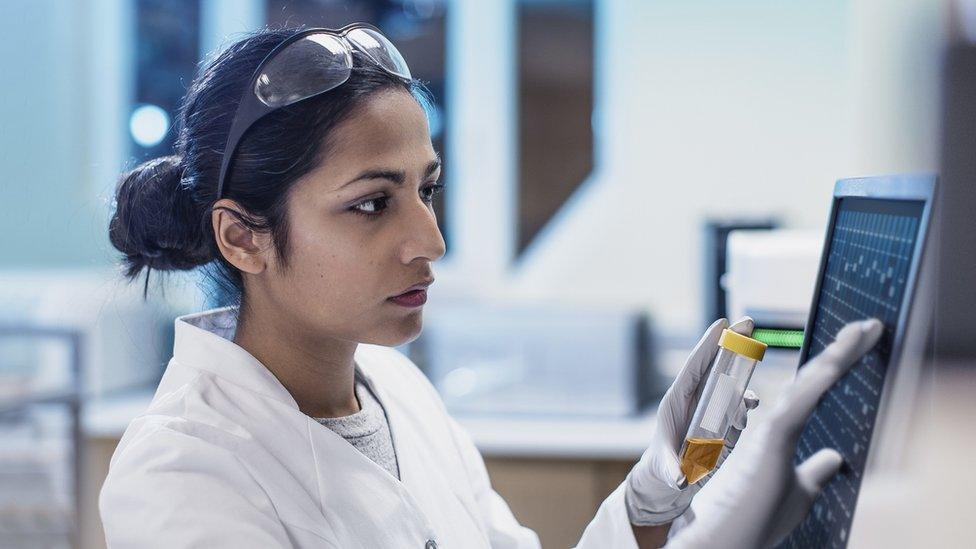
[397,177]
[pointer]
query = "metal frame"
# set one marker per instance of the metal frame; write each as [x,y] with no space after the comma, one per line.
[893,187]
[70,396]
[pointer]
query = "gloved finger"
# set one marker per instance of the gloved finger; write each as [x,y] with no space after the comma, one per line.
[750,400]
[810,478]
[814,473]
[670,468]
[699,361]
[847,354]
[820,373]
[659,462]
[743,326]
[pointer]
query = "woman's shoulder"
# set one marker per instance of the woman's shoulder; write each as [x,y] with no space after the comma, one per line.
[193,407]
[165,478]
[169,416]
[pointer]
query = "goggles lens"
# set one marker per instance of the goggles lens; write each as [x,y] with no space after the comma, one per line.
[380,50]
[313,64]
[320,62]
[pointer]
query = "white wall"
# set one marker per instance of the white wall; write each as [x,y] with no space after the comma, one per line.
[729,108]
[46,207]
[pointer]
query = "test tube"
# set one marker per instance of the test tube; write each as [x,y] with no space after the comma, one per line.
[731,370]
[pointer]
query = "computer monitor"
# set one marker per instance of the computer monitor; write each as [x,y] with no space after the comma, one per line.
[869,268]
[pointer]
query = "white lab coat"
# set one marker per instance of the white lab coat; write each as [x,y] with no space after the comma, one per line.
[224,458]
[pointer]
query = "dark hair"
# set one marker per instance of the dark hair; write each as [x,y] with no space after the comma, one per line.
[162,217]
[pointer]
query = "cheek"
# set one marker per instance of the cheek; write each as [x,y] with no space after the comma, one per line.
[329,265]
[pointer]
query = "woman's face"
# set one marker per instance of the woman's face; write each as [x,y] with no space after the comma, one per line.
[362,228]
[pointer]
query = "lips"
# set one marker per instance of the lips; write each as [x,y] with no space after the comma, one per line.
[414,296]
[422,285]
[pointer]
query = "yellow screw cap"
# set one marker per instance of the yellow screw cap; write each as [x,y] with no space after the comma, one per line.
[745,346]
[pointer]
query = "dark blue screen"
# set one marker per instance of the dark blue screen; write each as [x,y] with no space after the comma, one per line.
[868,268]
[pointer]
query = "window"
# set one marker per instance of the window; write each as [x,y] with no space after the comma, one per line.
[555,106]
[167,49]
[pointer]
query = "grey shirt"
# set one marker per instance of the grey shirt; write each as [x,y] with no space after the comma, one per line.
[367,430]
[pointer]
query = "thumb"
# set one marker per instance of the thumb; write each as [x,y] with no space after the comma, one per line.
[810,478]
[743,326]
[658,465]
[817,376]
[814,473]
[750,400]
[670,469]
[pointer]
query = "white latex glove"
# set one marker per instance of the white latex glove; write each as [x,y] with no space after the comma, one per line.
[760,497]
[656,491]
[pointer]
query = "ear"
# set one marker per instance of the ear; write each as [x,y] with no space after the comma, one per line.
[244,248]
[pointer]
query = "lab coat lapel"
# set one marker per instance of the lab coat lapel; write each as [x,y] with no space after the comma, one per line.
[424,475]
[362,500]
[242,389]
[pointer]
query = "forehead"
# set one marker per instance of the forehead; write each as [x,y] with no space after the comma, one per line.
[388,130]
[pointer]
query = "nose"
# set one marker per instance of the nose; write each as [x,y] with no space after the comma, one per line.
[421,237]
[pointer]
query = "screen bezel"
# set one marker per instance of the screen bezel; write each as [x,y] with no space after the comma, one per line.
[896,187]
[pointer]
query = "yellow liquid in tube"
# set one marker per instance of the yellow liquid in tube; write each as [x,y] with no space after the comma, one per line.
[700,457]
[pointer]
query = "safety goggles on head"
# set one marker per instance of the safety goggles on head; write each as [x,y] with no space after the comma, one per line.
[311,62]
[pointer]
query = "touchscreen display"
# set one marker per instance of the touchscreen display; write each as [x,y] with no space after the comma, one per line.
[869,258]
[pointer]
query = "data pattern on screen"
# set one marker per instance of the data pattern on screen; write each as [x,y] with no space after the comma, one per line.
[867,271]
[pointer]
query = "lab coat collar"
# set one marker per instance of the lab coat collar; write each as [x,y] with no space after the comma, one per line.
[205,341]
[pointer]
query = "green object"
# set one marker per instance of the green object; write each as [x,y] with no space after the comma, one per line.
[779,338]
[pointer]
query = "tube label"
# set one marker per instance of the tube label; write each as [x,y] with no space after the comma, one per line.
[718,405]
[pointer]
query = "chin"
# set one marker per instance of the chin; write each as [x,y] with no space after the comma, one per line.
[403,331]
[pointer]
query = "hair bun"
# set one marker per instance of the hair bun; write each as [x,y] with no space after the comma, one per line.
[156,222]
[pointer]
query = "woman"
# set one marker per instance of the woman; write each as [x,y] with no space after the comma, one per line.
[302,182]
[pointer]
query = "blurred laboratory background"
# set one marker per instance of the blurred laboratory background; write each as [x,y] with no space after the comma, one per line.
[619,174]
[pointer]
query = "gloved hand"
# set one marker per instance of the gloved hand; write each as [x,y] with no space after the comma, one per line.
[758,497]
[656,491]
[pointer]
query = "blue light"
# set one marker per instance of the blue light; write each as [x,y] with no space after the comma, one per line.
[435,119]
[148,125]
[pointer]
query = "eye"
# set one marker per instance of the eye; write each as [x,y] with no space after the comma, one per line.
[371,208]
[432,192]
